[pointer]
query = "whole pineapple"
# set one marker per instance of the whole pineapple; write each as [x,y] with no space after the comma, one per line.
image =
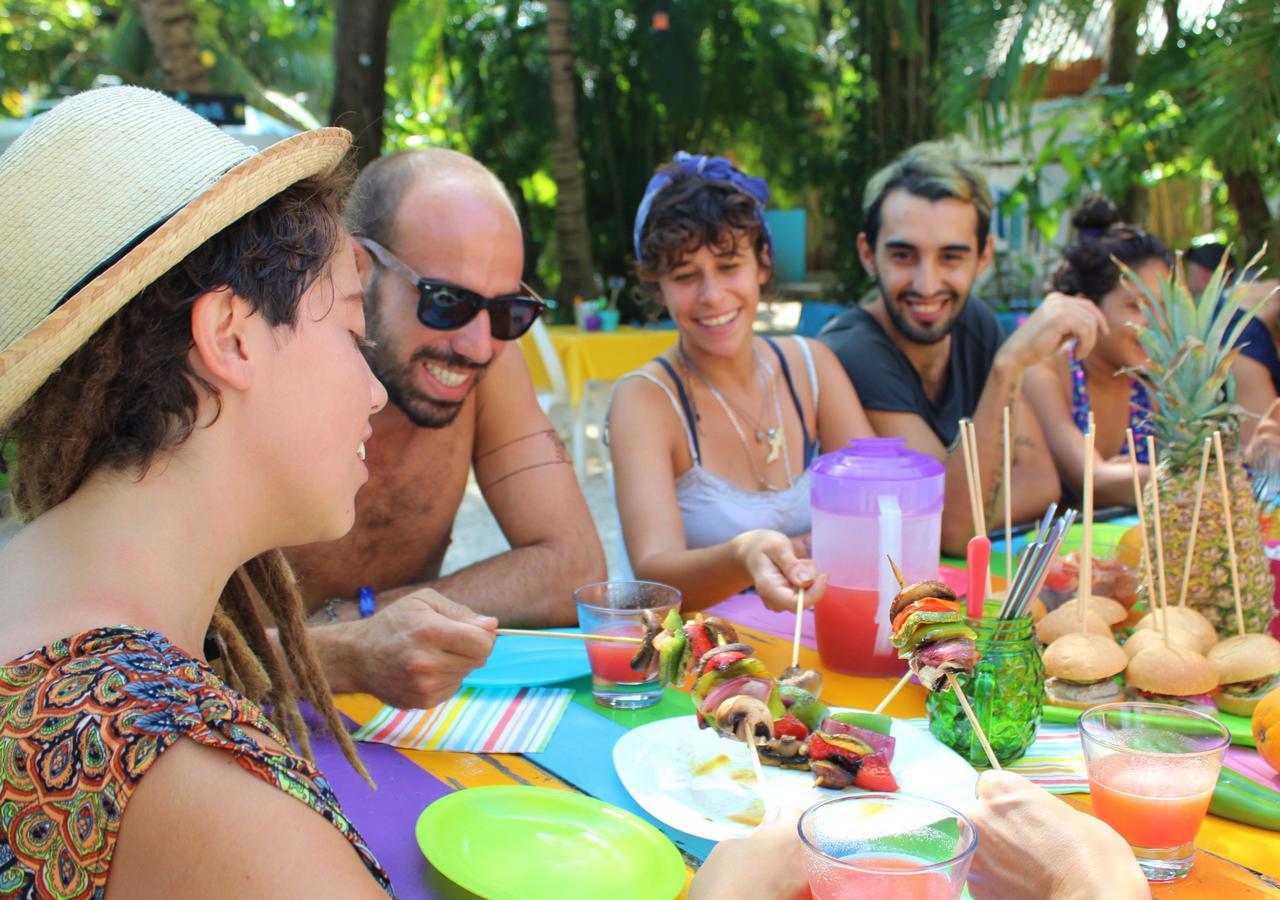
[1190,344]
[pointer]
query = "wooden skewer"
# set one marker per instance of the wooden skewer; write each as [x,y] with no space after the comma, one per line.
[897,573]
[1195,525]
[1084,590]
[795,641]
[1008,503]
[1155,507]
[1231,532]
[973,720]
[755,766]
[906,676]
[1142,523]
[971,477]
[569,635]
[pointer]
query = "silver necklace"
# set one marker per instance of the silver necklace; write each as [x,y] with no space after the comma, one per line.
[776,435]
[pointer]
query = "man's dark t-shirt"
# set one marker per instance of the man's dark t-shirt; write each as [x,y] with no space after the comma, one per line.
[886,380]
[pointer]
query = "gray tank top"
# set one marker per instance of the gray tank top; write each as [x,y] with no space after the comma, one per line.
[715,510]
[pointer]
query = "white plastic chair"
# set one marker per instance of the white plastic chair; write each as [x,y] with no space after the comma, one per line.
[556,402]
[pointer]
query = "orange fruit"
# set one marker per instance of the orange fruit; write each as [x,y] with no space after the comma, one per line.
[1266,728]
[1129,548]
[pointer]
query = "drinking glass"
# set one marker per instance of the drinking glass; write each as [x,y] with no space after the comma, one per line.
[870,846]
[623,609]
[1152,770]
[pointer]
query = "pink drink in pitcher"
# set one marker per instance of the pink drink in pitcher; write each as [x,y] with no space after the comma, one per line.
[873,499]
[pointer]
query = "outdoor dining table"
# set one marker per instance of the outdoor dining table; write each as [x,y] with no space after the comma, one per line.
[1232,860]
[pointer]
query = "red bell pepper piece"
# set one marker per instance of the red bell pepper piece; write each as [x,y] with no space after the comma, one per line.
[722,660]
[874,774]
[928,604]
[790,725]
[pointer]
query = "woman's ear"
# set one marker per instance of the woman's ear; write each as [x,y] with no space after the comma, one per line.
[220,332]
[765,260]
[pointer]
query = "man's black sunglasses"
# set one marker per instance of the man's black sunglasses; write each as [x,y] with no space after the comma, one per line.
[447,307]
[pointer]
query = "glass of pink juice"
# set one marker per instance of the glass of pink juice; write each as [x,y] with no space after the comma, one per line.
[1152,770]
[886,846]
[622,609]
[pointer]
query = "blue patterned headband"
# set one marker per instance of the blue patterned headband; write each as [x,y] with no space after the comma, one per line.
[712,168]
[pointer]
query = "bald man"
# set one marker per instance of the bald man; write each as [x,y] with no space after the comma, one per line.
[426,224]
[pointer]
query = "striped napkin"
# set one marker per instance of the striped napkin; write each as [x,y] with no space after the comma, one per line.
[1055,760]
[475,720]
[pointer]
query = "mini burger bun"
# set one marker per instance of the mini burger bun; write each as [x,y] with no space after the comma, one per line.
[1246,657]
[1176,671]
[1111,611]
[1084,657]
[1060,622]
[1149,637]
[1186,619]
[919,591]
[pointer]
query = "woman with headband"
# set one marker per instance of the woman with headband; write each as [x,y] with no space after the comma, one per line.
[1064,390]
[712,441]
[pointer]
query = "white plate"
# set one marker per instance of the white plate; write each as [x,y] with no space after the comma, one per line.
[694,780]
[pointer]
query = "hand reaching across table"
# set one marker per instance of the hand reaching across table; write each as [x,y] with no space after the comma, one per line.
[412,654]
[776,571]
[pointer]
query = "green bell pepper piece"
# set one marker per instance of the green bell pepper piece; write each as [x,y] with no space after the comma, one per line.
[1245,800]
[876,722]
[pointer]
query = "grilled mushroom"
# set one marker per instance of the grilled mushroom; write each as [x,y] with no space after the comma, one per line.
[744,718]
[806,679]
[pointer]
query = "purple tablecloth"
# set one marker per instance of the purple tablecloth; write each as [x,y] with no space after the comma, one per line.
[386,817]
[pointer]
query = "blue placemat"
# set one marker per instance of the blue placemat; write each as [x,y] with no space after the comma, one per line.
[581,753]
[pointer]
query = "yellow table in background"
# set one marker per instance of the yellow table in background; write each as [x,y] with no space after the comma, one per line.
[596,355]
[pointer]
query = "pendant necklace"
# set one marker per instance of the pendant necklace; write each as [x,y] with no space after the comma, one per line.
[774,435]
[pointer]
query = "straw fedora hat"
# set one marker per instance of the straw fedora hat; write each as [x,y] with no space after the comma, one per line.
[104,194]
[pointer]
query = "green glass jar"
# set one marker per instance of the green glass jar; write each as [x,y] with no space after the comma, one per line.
[1006,691]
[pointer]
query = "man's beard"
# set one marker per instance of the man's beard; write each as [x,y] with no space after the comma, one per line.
[912,331]
[400,380]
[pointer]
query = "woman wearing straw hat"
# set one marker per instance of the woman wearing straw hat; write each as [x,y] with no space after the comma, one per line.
[180,363]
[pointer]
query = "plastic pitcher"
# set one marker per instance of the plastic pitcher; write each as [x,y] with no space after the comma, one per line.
[873,499]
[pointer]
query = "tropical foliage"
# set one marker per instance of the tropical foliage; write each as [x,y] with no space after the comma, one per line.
[815,95]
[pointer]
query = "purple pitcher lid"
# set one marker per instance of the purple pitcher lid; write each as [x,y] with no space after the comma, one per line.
[850,479]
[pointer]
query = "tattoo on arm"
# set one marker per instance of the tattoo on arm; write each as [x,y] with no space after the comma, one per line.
[551,462]
[551,433]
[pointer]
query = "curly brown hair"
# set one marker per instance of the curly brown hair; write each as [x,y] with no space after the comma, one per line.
[130,393]
[693,212]
[1089,266]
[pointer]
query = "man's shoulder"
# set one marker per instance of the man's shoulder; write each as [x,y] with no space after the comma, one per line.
[855,335]
[977,327]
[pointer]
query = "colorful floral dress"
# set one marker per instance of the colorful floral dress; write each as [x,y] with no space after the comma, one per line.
[1139,409]
[82,720]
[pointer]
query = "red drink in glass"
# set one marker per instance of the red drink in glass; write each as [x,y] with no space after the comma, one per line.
[1151,804]
[882,875]
[1152,771]
[612,661]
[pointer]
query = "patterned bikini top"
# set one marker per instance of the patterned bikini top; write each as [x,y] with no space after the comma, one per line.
[1139,409]
[83,719]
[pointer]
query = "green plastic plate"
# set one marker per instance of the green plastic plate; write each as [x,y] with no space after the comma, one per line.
[1239,727]
[512,842]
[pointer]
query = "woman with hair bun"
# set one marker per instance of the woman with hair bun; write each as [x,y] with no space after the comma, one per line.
[1064,390]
